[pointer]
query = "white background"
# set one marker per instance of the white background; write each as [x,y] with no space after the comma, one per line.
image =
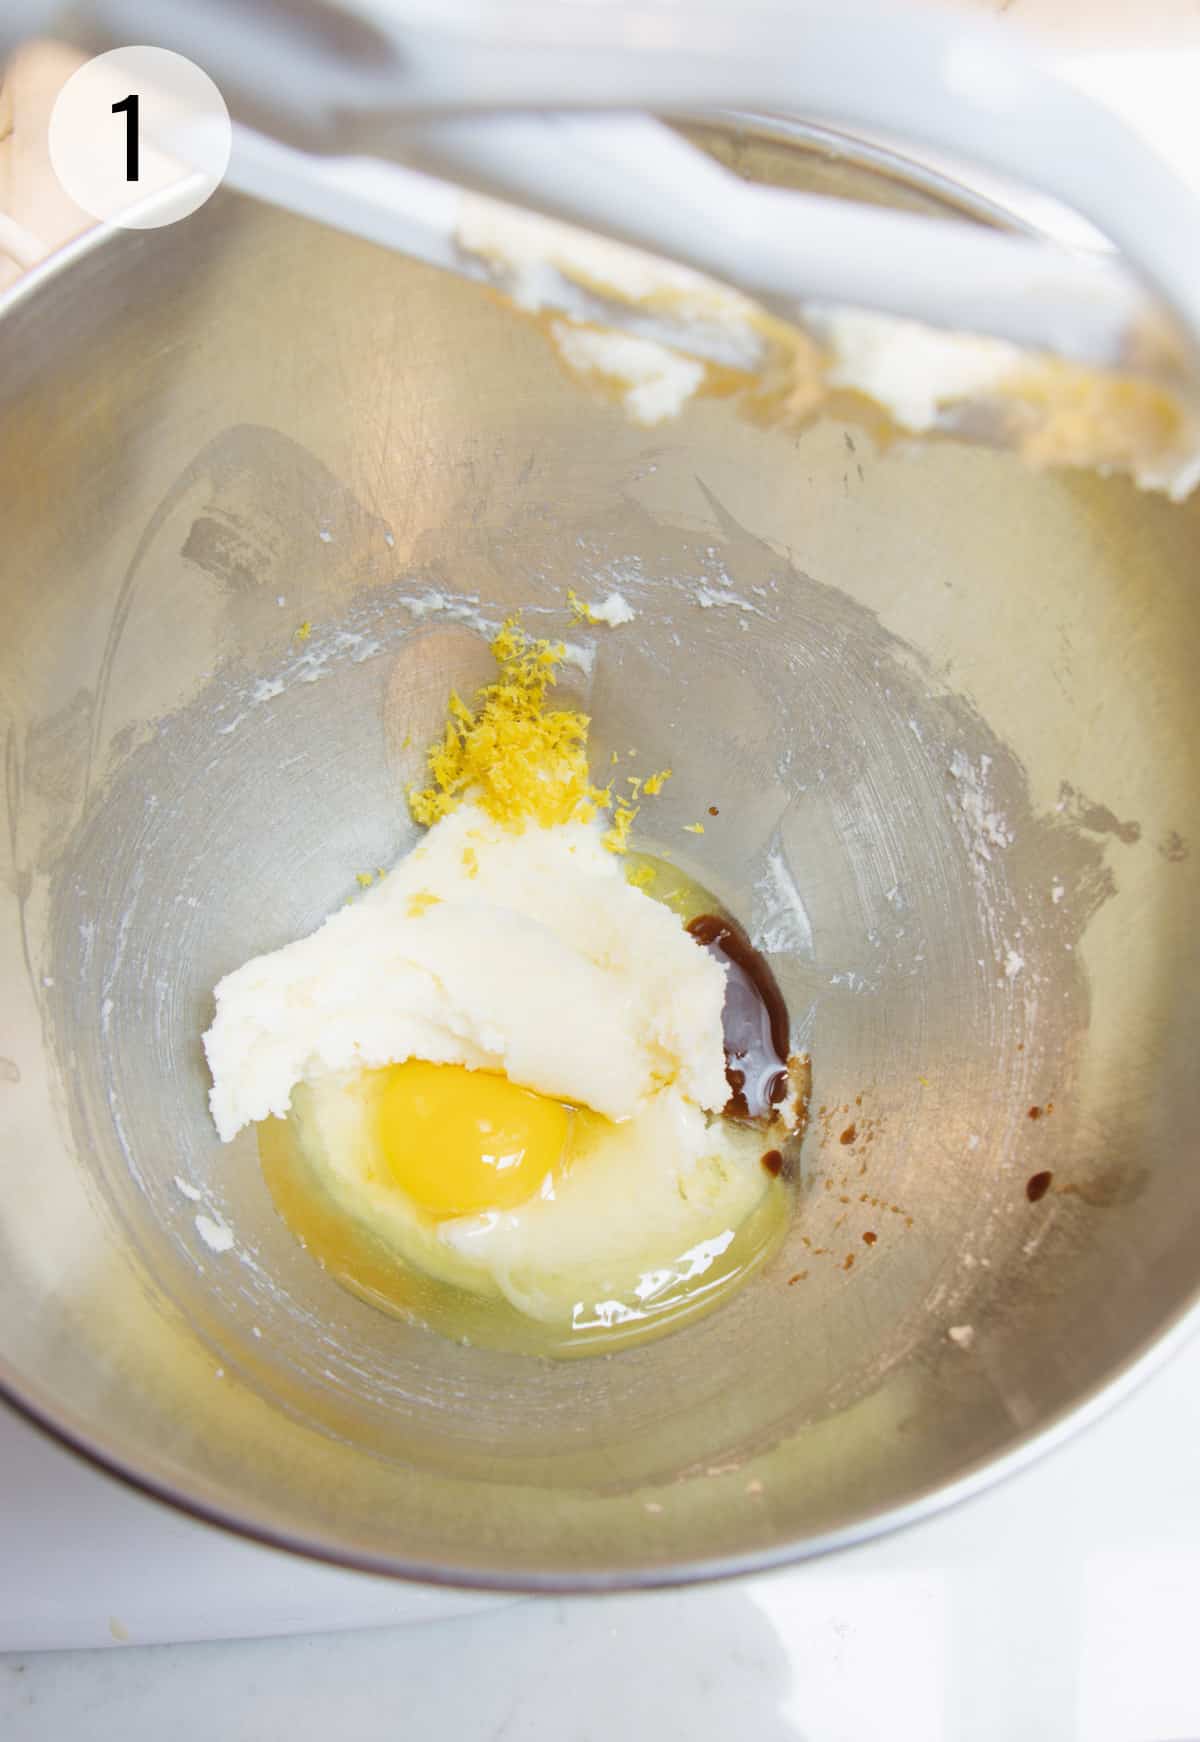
[1062,1604]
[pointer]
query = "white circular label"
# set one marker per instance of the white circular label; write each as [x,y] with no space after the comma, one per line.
[127,131]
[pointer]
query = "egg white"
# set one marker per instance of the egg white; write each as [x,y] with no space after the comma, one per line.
[645,1209]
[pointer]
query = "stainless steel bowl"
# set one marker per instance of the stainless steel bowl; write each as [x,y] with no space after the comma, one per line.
[948,712]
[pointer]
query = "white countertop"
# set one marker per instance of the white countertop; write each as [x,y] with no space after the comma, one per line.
[1059,1606]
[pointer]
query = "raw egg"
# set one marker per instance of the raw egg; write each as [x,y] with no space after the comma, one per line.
[456,1141]
[500,1216]
[625,1229]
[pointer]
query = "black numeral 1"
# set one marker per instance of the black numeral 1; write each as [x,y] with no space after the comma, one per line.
[128,106]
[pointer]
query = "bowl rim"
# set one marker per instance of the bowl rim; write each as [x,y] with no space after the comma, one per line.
[202,1500]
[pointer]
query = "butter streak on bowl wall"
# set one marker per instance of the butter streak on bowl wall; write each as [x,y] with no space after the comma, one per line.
[266,492]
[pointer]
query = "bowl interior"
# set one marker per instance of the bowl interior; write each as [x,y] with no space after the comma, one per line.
[946,709]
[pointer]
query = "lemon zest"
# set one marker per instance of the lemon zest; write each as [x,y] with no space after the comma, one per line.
[517,757]
[581,611]
[617,837]
[521,760]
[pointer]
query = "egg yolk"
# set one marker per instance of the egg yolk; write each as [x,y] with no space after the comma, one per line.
[457,1141]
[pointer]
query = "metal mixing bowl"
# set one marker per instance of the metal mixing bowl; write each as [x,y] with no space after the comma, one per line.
[948,712]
